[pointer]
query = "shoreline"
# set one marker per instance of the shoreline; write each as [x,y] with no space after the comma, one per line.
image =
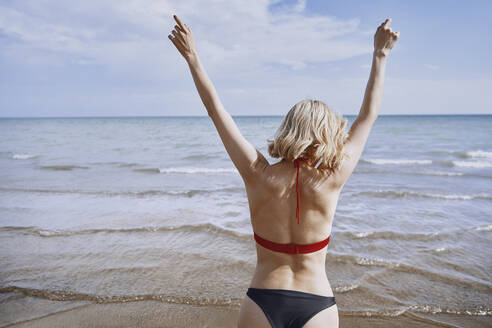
[159,314]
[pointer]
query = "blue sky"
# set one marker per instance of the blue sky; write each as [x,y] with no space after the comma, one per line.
[113,58]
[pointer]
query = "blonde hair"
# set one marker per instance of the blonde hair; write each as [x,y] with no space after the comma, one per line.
[311,129]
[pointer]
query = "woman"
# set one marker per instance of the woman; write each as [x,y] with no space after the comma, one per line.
[290,287]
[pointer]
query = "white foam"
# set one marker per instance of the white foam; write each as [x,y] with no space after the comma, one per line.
[344,289]
[484,228]
[475,164]
[463,197]
[375,262]
[362,234]
[436,309]
[479,153]
[403,193]
[192,170]
[22,156]
[442,173]
[452,196]
[383,161]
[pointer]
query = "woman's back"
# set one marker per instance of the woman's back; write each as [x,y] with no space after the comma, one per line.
[273,201]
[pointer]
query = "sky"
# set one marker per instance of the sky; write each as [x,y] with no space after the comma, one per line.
[114,58]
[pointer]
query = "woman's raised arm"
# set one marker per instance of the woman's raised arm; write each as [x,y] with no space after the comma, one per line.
[249,161]
[384,40]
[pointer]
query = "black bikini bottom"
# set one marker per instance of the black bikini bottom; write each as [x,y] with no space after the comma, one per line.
[286,308]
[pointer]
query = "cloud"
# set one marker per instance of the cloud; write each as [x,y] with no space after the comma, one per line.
[113,55]
[300,6]
[110,57]
[121,34]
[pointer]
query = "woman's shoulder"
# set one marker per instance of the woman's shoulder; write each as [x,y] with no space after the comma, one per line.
[283,173]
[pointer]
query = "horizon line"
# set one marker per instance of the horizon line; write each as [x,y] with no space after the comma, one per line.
[237,115]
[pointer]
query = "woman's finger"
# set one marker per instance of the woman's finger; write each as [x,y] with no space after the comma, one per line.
[179,28]
[176,44]
[178,35]
[179,21]
[175,38]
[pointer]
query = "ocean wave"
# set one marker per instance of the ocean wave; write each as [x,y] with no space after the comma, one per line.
[199,157]
[391,235]
[345,289]
[144,193]
[439,173]
[360,260]
[225,265]
[476,283]
[436,173]
[479,153]
[119,164]
[472,153]
[198,170]
[471,164]
[186,170]
[362,234]
[408,268]
[385,161]
[68,295]
[487,227]
[157,170]
[62,167]
[23,156]
[474,164]
[426,173]
[368,261]
[205,227]
[148,170]
[477,158]
[463,153]
[209,227]
[432,309]
[408,193]
[428,309]
[437,251]
[127,164]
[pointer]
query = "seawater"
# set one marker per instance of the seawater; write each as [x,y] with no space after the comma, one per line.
[124,209]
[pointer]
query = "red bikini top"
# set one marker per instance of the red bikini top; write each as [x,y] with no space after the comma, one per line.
[293,248]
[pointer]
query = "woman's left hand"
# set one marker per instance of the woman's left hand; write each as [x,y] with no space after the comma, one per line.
[183,40]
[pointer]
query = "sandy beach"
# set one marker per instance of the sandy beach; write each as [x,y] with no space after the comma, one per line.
[158,314]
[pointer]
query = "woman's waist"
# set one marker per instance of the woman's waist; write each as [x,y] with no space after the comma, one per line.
[310,280]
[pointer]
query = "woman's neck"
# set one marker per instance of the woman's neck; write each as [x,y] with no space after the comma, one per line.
[308,161]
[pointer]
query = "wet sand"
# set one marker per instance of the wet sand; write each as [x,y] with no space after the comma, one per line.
[159,314]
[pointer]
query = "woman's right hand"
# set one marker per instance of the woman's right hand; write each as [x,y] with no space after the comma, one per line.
[384,39]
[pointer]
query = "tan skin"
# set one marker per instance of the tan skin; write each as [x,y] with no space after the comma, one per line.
[271,188]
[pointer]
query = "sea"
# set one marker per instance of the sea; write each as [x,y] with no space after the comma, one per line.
[122,209]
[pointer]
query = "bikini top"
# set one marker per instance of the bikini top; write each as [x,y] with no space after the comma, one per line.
[293,248]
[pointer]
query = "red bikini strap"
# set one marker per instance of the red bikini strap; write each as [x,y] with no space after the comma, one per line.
[291,248]
[298,190]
